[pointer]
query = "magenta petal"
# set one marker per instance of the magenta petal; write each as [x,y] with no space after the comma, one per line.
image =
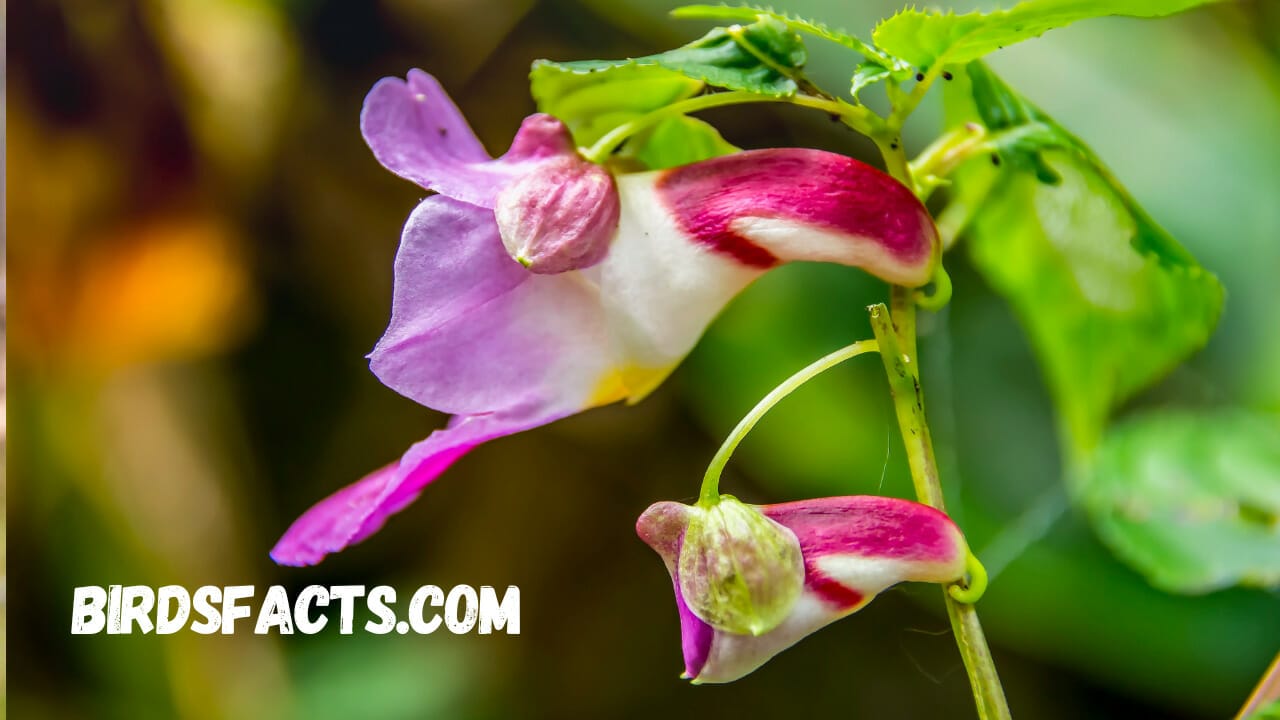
[695,635]
[870,526]
[359,510]
[416,132]
[662,527]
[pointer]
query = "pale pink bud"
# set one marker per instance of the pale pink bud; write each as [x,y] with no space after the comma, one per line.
[559,217]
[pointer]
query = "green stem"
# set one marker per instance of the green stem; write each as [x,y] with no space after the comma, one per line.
[908,402]
[904,382]
[888,138]
[711,481]
[858,118]
[605,146]
[962,208]
[896,335]
[907,105]
[945,154]
[941,291]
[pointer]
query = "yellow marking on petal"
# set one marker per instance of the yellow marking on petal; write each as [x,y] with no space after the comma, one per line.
[628,382]
[609,389]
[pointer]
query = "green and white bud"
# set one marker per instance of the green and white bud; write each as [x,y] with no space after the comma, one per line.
[739,571]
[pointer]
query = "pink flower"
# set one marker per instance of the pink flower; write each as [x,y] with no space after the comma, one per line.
[851,548]
[535,285]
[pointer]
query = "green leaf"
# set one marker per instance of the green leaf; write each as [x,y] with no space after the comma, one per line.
[1191,500]
[678,141]
[593,103]
[592,99]
[878,66]
[1026,131]
[866,74]
[926,39]
[1111,301]
[764,57]
[799,24]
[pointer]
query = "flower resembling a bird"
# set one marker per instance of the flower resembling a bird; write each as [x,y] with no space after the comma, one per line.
[751,581]
[537,285]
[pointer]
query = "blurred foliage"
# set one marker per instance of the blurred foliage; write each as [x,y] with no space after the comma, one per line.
[1111,301]
[200,249]
[1192,500]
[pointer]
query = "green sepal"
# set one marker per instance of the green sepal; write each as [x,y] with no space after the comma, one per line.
[739,571]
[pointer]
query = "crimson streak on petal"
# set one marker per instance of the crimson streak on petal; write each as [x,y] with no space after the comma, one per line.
[762,207]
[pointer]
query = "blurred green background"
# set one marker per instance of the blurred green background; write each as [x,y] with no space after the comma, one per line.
[200,249]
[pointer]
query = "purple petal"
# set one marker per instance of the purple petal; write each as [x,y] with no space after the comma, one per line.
[416,132]
[358,510]
[450,262]
[472,332]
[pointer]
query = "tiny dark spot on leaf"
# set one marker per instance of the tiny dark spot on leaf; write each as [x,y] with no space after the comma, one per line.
[995,160]
[919,77]
[946,75]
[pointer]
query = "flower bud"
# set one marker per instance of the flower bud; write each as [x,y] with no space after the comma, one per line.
[559,217]
[739,571]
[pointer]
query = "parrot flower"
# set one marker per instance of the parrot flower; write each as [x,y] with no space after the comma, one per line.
[537,285]
[851,548]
